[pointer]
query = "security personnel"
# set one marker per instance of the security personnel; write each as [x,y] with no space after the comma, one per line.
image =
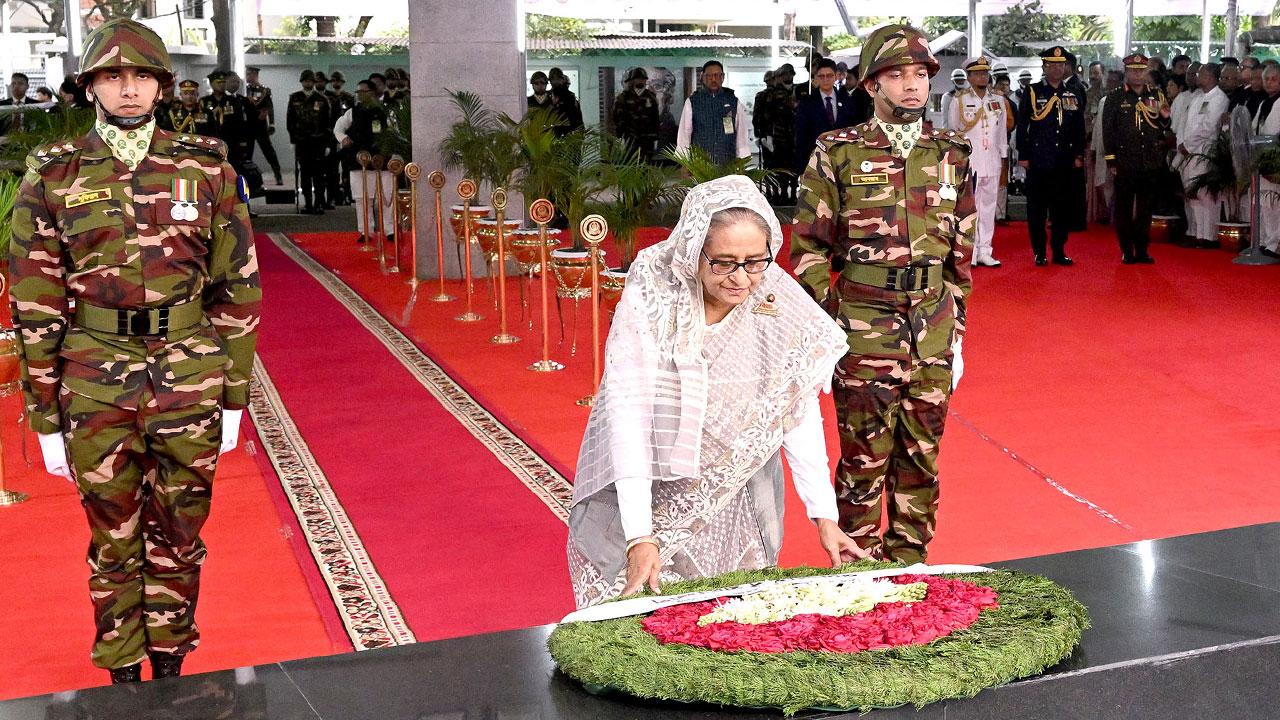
[310,124]
[361,129]
[892,197]
[980,116]
[949,97]
[635,114]
[260,112]
[136,391]
[332,163]
[225,113]
[540,97]
[1050,137]
[186,116]
[342,102]
[1136,138]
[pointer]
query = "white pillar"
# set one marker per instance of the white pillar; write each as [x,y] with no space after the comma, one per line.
[74,39]
[1206,26]
[974,31]
[1233,27]
[1123,23]
[775,52]
[6,42]
[445,40]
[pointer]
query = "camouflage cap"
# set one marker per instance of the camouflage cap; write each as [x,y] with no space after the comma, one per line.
[320,77]
[123,43]
[893,46]
[307,76]
[337,76]
[637,72]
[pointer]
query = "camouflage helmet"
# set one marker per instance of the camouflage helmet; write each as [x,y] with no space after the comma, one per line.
[893,46]
[121,43]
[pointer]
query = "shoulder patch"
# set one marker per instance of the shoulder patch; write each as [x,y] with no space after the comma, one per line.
[43,155]
[210,145]
[835,137]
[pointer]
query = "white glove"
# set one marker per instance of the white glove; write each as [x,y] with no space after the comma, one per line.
[54,448]
[957,364]
[230,430]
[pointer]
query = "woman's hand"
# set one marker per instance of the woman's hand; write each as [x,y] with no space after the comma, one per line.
[840,547]
[643,565]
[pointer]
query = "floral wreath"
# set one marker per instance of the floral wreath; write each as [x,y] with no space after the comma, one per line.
[926,638]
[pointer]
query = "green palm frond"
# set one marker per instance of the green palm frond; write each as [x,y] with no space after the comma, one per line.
[9,183]
[41,128]
[634,189]
[701,168]
[467,146]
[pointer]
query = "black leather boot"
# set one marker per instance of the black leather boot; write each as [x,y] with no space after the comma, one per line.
[126,674]
[165,665]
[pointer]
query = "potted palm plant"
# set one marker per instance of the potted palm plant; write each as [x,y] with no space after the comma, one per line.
[1220,178]
[698,168]
[467,147]
[537,177]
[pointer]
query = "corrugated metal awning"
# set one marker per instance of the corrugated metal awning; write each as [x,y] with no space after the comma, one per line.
[660,41]
[392,41]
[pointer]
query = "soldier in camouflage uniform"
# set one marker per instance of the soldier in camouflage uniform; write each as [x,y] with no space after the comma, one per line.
[310,122]
[136,392]
[891,197]
[635,114]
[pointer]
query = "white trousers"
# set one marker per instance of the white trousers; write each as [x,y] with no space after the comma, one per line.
[388,199]
[1202,208]
[1269,215]
[985,192]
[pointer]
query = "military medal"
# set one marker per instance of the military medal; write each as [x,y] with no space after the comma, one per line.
[946,181]
[183,194]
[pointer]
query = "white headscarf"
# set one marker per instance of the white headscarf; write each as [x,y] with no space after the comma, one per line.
[664,373]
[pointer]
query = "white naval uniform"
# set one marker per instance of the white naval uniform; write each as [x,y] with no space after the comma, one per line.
[1269,207]
[1204,122]
[982,122]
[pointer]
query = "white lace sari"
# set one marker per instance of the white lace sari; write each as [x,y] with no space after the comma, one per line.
[700,414]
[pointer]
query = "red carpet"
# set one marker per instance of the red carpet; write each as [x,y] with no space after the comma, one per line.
[1100,404]
[462,545]
[255,606]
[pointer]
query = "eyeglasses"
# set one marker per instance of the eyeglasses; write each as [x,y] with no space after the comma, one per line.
[729,267]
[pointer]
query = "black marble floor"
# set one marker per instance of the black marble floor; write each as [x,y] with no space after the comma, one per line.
[1186,627]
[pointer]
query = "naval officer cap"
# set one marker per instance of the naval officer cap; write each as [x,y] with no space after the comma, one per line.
[977,64]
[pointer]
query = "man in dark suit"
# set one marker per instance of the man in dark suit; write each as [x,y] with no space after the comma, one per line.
[821,111]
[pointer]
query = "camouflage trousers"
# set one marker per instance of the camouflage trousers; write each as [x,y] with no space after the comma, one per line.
[891,414]
[146,479]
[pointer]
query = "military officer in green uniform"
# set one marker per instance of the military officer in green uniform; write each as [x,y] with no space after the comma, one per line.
[136,391]
[186,115]
[891,197]
[1136,137]
[635,114]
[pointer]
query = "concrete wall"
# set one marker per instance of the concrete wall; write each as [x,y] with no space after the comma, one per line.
[472,46]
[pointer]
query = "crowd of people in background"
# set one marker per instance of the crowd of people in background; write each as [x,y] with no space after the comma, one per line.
[1052,139]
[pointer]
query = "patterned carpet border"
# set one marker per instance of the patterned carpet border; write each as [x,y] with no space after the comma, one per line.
[370,615]
[547,484]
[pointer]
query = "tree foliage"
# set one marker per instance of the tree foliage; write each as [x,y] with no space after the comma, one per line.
[551,27]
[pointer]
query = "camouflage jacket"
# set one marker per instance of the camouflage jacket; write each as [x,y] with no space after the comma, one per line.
[859,202]
[88,229]
[635,117]
[310,118]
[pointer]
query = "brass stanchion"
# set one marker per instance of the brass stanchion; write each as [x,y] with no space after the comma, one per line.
[381,236]
[413,171]
[395,166]
[436,180]
[9,374]
[364,158]
[466,191]
[593,230]
[503,337]
[541,211]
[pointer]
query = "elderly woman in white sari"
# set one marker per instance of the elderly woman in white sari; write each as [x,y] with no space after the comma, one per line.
[713,367]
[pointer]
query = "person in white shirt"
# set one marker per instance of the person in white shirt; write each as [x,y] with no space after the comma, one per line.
[980,115]
[713,119]
[949,98]
[1203,123]
[713,366]
[1266,121]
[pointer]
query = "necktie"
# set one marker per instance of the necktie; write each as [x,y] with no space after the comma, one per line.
[831,113]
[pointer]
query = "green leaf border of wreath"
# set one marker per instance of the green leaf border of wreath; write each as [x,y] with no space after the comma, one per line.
[1037,625]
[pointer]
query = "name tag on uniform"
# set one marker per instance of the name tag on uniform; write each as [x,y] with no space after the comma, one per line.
[85,198]
[870,179]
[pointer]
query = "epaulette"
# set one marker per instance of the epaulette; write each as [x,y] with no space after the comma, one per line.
[210,145]
[835,137]
[950,136]
[42,155]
